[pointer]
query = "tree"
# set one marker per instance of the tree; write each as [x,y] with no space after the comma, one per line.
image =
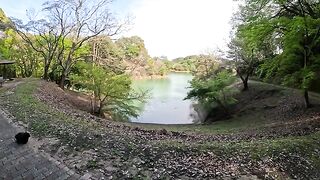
[106,53]
[111,92]
[133,51]
[245,63]
[213,91]
[79,21]
[156,67]
[205,65]
[252,40]
[294,28]
[43,36]
[14,48]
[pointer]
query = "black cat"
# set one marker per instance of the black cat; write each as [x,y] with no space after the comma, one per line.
[22,138]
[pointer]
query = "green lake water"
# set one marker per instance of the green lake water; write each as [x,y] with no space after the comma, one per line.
[165,104]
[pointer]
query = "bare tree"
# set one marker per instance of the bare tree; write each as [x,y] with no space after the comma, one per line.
[80,21]
[105,53]
[208,63]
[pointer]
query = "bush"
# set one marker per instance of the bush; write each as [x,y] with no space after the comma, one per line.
[112,93]
[216,91]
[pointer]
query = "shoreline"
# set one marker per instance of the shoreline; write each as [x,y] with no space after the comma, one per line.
[180,71]
[149,77]
[156,76]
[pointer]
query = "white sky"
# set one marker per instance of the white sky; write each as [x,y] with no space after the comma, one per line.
[172,28]
[183,27]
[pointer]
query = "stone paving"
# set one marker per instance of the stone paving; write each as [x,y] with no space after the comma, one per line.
[24,162]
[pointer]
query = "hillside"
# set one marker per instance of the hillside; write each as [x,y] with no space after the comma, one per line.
[265,138]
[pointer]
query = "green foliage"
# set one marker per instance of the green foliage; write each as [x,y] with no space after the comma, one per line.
[184,64]
[205,66]
[199,65]
[179,67]
[136,59]
[5,22]
[285,37]
[27,61]
[216,90]
[112,92]
[163,70]
[104,78]
[133,50]
[156,67]
[106,53]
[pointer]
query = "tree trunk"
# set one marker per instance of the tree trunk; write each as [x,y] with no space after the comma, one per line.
[93,106]
[100,111]
[46,72]
[62,80]
[244,82]
[306,98]
[245,85]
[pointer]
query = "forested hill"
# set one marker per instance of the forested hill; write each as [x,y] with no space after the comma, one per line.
[197,64]
[126,54]
[136,59]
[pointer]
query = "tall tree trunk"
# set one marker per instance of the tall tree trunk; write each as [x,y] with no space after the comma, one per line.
[45,75]
[244,82]
[245,85]
[93,105]
[100,111]
[62,80]
[306,55]
[306,98]
[46,72]
[306,59]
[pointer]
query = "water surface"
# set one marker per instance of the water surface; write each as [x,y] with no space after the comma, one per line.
[166,104]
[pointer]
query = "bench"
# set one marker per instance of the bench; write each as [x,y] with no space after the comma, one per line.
[1,81]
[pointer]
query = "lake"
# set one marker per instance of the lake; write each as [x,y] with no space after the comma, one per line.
[166,104]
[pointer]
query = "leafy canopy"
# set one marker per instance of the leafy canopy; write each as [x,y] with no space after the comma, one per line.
[216,90]
[112,91]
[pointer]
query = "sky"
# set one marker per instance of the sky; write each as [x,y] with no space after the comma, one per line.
[172,28]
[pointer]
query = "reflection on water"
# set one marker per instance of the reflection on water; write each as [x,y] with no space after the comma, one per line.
[166,104]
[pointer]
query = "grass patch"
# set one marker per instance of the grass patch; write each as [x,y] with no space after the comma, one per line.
[44,121]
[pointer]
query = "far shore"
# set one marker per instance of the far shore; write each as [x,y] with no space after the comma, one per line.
[149,77]
[180,71]
[157,76]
